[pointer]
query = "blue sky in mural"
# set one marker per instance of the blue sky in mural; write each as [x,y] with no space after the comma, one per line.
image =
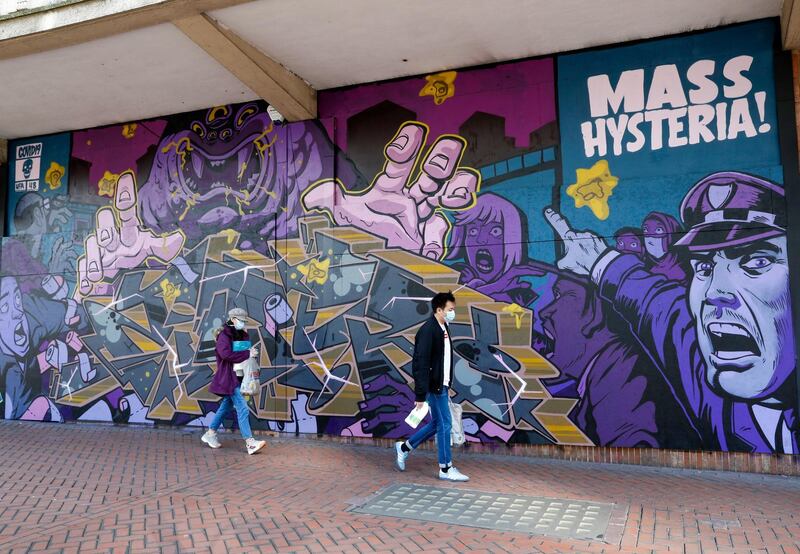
[657,179]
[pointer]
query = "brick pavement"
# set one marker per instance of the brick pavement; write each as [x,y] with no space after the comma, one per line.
[94,488]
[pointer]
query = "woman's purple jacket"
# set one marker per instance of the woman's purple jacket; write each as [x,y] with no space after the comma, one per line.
[225,379]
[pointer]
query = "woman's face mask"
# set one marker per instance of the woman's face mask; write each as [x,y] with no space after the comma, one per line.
[238,324]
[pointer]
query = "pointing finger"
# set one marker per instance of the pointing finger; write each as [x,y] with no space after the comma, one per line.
[125,202]
[107,234]
[125,198]
[557,222]
[94,263]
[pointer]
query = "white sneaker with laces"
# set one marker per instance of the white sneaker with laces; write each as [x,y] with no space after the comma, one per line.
[254,446]
[400,460]
[452,474]
[211,439]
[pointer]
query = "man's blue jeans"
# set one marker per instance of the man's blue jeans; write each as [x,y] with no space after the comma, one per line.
[439,425]
[242,412]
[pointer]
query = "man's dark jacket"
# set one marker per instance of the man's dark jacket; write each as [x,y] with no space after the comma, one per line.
[428,364]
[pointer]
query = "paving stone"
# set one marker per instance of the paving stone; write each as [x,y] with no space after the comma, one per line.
[82,488]
[557,517]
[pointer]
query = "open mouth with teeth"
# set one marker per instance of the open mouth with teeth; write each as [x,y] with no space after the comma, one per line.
[20,337]
[545,343]
[732,341]
[484,261]
[239,169]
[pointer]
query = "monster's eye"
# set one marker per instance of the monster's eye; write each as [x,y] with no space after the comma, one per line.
[225,134]
[198,129]
[218,112]
[244,114]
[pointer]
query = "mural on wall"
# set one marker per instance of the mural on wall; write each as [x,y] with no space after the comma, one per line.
[337,307]
[621,273]
[676,164]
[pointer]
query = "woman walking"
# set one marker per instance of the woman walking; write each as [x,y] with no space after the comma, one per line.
[233,347]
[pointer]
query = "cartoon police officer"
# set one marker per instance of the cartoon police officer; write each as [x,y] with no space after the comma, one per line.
[725,342]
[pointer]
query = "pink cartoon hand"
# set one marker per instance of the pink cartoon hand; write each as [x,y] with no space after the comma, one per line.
[119,240]
[403,205]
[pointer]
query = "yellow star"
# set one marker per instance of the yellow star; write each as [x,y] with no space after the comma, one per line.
[593,188]
[169,291]
[54,174]
[108,184]
[440,85]
[316,271]
[129,130]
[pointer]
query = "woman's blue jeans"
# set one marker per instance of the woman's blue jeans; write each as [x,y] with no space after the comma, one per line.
[439,425]
[242,412]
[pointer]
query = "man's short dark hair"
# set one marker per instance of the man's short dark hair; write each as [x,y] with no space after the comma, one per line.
[441,299]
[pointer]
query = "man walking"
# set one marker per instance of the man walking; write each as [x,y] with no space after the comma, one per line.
[433,373]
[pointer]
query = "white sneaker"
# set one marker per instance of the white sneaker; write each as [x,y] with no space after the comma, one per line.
[254,446]
[211,439]
[452,474]
[400,460]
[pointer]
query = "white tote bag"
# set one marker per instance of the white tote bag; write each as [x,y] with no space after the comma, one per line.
[457,437]
[251,379]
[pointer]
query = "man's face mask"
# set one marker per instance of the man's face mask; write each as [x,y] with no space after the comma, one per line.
[450,315]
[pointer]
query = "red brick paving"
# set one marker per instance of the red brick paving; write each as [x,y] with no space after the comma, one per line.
[78,488]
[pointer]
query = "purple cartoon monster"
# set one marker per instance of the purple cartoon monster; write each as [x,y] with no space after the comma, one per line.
[235,168]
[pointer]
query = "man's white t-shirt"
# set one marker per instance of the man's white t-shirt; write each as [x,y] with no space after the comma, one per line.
[447,356]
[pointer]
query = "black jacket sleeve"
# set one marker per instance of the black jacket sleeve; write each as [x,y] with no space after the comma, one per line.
[421,365]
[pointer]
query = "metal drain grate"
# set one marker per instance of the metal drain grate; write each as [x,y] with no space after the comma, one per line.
[556,517]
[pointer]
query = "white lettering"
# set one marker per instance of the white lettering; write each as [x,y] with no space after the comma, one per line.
[675,126]
[741,121]
[633,126]
[698,74]
[722,111]
[616,128]
[733,72]
[629,93]
[591,141]
[699,119]
[666,88]
[656,118]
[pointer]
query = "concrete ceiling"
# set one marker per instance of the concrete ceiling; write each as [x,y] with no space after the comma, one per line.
[158,70]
